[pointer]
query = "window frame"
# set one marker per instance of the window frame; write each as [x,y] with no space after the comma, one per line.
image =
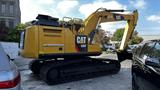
[156,48]
[142,49]
[3,8]
[22,39]
[138,50]
[11,9]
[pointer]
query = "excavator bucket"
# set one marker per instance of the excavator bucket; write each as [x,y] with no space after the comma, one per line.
[123,55]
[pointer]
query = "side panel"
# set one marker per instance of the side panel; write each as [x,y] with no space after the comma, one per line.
[71,44]
[69,41]
[94,48]
[51,40]
[31,43]
[45,41]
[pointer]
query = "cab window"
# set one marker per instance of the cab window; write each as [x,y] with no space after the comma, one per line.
[156,51]
[147,50]
[137,50]
[22,37]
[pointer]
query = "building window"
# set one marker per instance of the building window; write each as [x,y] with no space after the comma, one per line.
[2,22]
[11,10]
[11,23]
[3,7]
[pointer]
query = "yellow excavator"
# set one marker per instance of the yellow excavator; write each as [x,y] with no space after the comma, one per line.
[62,49]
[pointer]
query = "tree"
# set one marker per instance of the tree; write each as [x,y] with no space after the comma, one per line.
[135,39]
[117,36]
[14,34]
[10,34]
[20,26]
[101,37]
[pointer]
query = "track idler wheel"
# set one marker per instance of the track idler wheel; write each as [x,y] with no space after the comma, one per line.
[35,66]
[123,55]
[49,74]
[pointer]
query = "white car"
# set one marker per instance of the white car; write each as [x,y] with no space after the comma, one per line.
[9,74]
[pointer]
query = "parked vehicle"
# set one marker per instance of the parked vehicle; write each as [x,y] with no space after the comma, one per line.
[109,47]
[146,66]
[131,47]
[9,74]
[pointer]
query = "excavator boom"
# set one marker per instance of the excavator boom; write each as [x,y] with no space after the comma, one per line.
[103,15]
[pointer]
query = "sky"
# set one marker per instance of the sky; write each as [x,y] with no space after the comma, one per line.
[149,11]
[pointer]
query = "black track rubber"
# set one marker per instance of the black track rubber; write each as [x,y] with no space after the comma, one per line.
[49,74]
[54,72]
[35,66]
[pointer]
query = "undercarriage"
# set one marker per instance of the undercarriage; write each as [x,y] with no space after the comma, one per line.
[61,70]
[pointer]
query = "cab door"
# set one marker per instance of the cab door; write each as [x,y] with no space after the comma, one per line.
[145,75]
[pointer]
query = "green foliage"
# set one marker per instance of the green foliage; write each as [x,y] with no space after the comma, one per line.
[11,35]
[14,34]
[20,27]
[117,36]
[135,40]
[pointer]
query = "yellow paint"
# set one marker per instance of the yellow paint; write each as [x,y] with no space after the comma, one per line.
[31,42]
[40,40]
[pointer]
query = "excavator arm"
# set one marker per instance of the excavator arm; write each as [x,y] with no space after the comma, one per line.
[103,15]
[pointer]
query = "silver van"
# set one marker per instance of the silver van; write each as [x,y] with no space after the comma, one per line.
[9,74]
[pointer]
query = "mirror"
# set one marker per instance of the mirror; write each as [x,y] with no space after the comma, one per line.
[155,62]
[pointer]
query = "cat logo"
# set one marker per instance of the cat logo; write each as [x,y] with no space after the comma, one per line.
[118,17]
[81,39]
[81,43]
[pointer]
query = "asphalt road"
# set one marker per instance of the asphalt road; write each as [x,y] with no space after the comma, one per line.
[120,81]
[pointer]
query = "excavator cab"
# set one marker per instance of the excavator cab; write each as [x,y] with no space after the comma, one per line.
[72,23]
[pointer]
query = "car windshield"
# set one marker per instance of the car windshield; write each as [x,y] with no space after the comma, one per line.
[156,51]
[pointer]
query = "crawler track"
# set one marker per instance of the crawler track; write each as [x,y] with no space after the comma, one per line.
[60,71]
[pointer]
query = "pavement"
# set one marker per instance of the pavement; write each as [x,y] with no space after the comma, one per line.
[120,81]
